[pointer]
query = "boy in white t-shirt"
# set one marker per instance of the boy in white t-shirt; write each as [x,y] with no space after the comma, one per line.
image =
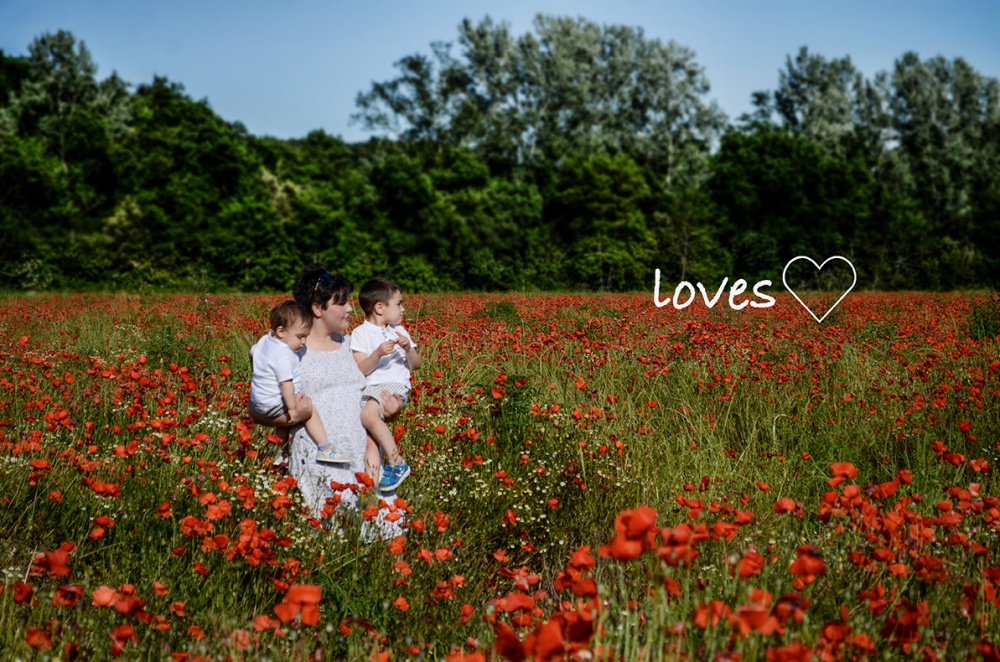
[277,379]
[386,354]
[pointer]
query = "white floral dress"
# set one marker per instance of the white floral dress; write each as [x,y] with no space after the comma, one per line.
[334,383]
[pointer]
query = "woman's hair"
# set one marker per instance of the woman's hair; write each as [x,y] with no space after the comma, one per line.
[317,285]
[287,313]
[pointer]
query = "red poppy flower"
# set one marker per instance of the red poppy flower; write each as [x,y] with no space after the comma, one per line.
[581,559]
[507,644]
[711,613]
[845,469]
[38,639]
[784,505]
[749,565]
[545,642]
[621,549]
[301,599]
[264,622]
[22,592]
[757,618]
[808,563]
[793,652]
[634,524]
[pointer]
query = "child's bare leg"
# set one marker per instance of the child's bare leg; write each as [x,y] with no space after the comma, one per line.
[379,431]
[373,459]
[314,427]
[282,434]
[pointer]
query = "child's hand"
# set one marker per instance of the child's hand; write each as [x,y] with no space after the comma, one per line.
[403,342]
[387,348]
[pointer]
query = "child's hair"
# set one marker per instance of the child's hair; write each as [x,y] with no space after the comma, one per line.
[317,285]
[287,313]
[374,291]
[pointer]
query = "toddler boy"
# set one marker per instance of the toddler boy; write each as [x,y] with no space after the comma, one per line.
[277,378]
[386,354]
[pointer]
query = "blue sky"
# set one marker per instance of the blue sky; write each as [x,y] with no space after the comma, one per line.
[286,67]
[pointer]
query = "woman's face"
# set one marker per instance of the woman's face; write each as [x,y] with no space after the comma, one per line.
[337,316]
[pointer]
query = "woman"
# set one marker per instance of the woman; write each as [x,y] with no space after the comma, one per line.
[332,386]
[332,380]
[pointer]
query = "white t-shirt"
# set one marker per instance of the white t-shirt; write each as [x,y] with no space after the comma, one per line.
[392,368]
[273,362]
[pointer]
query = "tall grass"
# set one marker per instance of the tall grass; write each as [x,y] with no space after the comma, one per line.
[535,422]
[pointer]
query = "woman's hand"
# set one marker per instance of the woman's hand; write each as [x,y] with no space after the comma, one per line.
[303,410]
[392,404]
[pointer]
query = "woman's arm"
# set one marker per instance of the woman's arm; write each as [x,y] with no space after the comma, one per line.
[303,410]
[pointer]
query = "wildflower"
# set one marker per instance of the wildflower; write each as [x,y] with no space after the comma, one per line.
[749,565]
[784,505]
[793,652]
[38,639]
[545,642]
[808,564]
[22,592]
[301,599]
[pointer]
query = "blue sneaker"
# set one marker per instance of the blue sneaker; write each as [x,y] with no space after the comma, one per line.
[393,475]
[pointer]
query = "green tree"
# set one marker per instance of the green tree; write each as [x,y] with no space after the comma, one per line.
[685,225]
[783,194]
[13,71]
[60,81]
[942,114]
[600,236]
[31,182]
[816,98]
[570,86]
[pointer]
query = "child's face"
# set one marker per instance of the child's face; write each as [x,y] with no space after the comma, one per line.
[392,312]
[294,336]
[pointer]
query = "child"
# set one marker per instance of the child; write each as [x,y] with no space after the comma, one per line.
[386,354]
[276,377]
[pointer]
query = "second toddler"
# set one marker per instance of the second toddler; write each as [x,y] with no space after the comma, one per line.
[277,379]
[386,354]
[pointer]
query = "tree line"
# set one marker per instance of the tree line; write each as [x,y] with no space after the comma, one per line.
[574,156]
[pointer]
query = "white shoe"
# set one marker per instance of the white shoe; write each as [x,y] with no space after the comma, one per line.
[332,456]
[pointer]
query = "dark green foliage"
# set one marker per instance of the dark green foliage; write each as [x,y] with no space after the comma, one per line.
[517,163]
[597,209]
[13,71]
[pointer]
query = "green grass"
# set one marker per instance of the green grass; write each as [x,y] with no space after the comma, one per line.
[600,404]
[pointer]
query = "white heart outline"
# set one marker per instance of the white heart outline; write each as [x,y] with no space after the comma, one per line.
[819,267]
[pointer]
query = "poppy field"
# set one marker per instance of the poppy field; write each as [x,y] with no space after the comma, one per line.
[593,478]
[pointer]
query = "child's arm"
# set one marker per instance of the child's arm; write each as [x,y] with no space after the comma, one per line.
[367,363]
[412,358]
[291,402]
